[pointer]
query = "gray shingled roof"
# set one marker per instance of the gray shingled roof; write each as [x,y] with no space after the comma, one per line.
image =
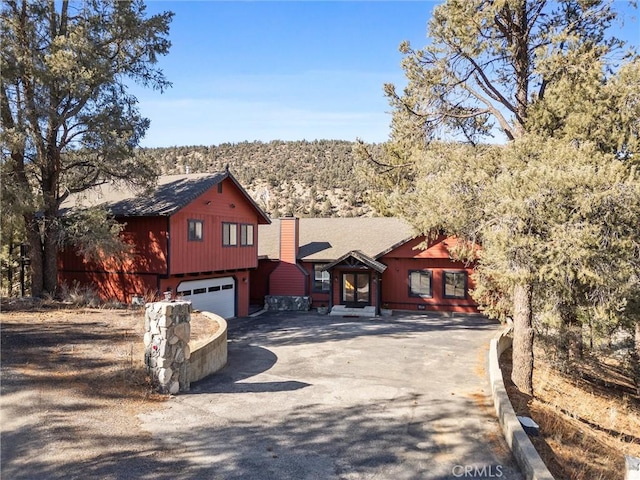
[327,239]
[171,193]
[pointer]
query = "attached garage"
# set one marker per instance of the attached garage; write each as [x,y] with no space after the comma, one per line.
[216,295]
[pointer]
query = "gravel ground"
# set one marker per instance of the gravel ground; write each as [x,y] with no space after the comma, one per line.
[73,384]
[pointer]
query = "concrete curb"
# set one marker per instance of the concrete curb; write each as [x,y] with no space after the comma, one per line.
[523,450]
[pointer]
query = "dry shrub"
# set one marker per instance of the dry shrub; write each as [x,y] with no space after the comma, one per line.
[589,418]
[80,295]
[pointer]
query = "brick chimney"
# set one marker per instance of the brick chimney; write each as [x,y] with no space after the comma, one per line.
[289,239]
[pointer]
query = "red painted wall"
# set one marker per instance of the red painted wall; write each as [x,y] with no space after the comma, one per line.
[161,248]
[394,284]
[317,298]
[209,255]
[288,278]
[148,236]
[395,279]
[259,281]
[116,286]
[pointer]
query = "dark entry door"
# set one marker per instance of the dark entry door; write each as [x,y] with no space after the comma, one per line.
[355,289]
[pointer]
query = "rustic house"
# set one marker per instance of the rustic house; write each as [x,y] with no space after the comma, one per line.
[193,235]
[348,263]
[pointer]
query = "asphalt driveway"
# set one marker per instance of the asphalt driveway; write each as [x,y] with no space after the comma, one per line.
[318,397]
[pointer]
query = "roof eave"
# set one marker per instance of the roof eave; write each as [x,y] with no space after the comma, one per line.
[361,257]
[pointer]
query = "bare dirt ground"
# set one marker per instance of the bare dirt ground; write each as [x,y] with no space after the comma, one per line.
[73,383]
[588,420]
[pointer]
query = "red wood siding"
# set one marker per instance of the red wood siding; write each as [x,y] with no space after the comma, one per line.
[243,293]
[395,279]
[148,235]
[259,282]
[288,279]
[317,298]
[116,286]
[208,255]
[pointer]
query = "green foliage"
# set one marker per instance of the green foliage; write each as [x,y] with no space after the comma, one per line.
[561,215]
[585,104]
[487,59]
[541,74]
[94,234]
[69,122]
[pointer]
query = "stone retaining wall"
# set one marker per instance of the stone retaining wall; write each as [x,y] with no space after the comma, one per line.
[523,450]
[291,303]
[210,355]
[171,361]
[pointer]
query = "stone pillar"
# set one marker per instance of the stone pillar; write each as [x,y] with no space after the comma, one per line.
[166,341]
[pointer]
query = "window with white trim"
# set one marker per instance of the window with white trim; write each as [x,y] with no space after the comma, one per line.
[321,279]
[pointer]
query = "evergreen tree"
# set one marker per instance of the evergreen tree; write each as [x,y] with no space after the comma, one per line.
[68,120]
[489,65]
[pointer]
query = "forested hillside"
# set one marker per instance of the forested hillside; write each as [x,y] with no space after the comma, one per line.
[306,178]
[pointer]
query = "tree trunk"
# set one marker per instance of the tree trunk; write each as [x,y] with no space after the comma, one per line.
[50,258]
[570,342]
[522,373]
[35,255]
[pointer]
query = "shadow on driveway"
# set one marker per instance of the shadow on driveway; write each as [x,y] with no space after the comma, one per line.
[244,362]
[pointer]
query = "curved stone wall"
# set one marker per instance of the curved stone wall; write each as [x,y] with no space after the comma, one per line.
[523,450]
[210,355]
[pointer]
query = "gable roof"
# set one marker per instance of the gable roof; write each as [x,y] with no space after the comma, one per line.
[327,239]
[360,257]
[171,193]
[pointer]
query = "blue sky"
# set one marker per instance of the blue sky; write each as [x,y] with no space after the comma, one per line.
[288,70]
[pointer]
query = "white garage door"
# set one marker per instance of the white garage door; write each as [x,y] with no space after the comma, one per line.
[216,295]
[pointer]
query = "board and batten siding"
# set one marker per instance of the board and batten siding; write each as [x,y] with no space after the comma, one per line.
[147,235]
[436,259]
[209,255]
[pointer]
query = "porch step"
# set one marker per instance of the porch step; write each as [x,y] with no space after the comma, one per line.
[341,311]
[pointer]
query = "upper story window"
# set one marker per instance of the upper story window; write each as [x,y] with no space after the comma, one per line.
[455,284]
[420,283]
[246,235]
[321,279]
[194,230]
[229,234]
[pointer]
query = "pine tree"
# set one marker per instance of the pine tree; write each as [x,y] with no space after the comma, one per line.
[491,68]
[68,121]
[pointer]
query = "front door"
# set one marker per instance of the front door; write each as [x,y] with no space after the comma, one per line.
[355,289]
